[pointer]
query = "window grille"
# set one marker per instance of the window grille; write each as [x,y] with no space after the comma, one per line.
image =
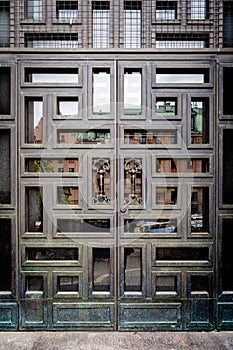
[177,41]
[100,24]
[67,11]
[53,41]
[34,10]
[199,9]
[228,24]
[132,24]
[166,10]
[4,24]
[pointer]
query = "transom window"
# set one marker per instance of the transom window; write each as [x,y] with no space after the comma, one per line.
[67,11]
[100,24]
[166,10]
[132,24]
[34,10]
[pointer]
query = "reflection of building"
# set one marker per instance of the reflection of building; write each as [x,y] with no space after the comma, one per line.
[116,158]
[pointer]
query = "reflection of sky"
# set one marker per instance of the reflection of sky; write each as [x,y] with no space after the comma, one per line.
[38,112]
[180,78]
[54,78]
[132,90]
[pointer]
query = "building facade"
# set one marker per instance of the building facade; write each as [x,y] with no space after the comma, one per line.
[116,165]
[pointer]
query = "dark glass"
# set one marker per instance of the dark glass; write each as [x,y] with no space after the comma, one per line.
[227,181]
[35,283]
[166,284]
[101,270]
[200,284]
[39,254]
[84,225]
[200,209]
[34,209]
[185,254]
[227,256]
[5,88]
[133,269]
[5,169]
[68,284]
[5,252]
[199,120]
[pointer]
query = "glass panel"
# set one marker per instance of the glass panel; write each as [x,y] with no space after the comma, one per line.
[34,120]
[67,106]
[181,76]
[160,225]
[192,254]
[5,251]
[166,106]
[182,165]
[35,283]
[227,183]
[133,269]
[67,11]
[199,120]
[5,169]
[166,195]
[133,182]
[52,40]
[200,284]
[132,91]
[199,9]
[101,181]
[39,254]
[227,256]
[83,225]
[101,270]
[100,24]
[101,91]
[166,10]
[68,284]
[175,42]
[200,209]
[159,137]
[51,75]
[228,24]
[67,195]
[77,137]
[34,9]
[4,23]
[34,209]
[5,88]
[51,165]
[166,284]
[227,92]
[132,24]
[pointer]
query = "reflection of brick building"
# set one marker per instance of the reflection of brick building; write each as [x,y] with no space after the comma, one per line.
[38,132]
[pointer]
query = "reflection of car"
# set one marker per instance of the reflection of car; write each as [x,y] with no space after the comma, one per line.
[196,221]
[152,226]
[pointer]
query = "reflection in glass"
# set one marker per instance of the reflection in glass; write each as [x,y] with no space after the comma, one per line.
[182,76]
[199,120]
[76,137]
[199,9]
[160,225]
[51,165]
[35,283]
[5,85]
[227,183]
[39,254]
[83,225]
[166,195]
[176,165]
[67,195]
[34,209]
[101,270]
[200,284]
[67,106]
[166,284]
[68,284]
[185,254]
[200,209]
[34,9]
[155,137]
[133,269]
[166,106]
[51,75]
[5,167]
[34,120]
[132,91]
[101,91]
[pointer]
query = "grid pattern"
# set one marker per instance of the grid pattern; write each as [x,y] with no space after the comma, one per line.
[118,23]
[176,41]
[100,24]
[41,40]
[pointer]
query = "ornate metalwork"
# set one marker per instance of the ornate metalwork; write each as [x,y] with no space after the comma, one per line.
[101,167]
[132,167]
